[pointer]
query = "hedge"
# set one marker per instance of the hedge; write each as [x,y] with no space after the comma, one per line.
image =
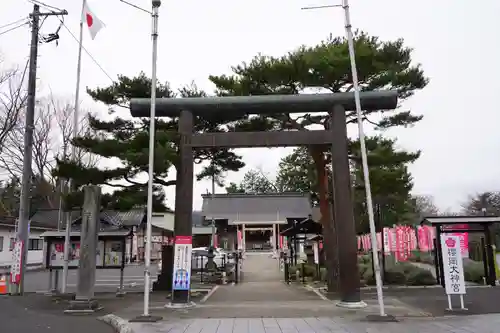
[396,273]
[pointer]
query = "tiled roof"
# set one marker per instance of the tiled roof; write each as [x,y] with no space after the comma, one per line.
[256,207]
[10,221]
[50,217]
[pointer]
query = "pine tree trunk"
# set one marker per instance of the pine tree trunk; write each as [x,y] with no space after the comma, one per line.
[329,236]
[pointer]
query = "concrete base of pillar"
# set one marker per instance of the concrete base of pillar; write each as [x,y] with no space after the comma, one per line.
[187,305]
[83,306]
[52,293]
[381,319]
[146,319]
[120,293]
[66,296]
[352,305]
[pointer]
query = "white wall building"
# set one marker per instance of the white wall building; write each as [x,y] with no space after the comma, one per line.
[35,244]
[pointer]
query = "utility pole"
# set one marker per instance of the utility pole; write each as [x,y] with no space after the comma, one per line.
[22,236]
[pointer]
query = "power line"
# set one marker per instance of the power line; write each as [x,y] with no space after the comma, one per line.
[12,23]
[88,53]
[52,8]
[12,29]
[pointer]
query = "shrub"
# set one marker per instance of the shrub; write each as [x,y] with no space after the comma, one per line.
[365,259]
[415,256]
[427,258]
[322,273]
[368,276]
[473,271]
[421,277]
[362,268]
[307,270]
[396,275]
[401,273]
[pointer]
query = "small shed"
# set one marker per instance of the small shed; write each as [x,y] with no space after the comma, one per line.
[111,247]
[300,233]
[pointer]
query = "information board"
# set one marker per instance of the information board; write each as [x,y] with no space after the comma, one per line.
[182,263]
[453,265]
[113,253]
[56,253]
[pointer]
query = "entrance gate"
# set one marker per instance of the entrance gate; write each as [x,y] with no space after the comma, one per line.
[227,108]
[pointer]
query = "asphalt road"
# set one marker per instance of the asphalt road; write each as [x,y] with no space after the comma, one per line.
[107,280]
[38,313]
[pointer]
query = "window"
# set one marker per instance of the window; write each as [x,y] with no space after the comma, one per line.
[11,244]
[1,243]
[35,244]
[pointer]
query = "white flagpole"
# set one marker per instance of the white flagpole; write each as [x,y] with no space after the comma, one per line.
[73,150]
[364,158]
[154,53]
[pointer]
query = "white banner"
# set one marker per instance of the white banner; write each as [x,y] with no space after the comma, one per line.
[453,265]
[316,253]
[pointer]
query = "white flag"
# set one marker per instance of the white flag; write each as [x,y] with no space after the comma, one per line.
[92,22]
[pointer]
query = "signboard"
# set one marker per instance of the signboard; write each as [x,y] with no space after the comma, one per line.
[182,263]
[113,253]
[316,253]
[56,253]
[17,258]
[453,265]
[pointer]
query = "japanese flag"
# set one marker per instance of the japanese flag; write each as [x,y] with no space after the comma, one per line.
[92,22]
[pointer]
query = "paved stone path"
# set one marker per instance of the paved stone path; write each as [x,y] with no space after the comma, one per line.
[261,283]
[471,324]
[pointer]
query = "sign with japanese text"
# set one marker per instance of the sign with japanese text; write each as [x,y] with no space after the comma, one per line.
[182,263]
[387,240]
[17,257]
[453,265]
[402,243]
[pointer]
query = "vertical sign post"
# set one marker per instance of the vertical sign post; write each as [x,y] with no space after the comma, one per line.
[453,269]
[181,278]
[17,261]
[316,253]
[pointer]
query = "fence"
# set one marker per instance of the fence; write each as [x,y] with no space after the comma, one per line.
[204,270]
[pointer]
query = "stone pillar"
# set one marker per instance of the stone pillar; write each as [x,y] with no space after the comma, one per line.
[183,225]
[84,299]
[344,213]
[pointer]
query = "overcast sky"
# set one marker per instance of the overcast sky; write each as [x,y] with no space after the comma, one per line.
[456,41]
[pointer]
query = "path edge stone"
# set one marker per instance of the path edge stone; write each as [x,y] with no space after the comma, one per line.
[119,324]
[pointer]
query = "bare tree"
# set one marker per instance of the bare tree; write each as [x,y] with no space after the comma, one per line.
[425,206]
[65,122]
[52,137]
[483,203]
[13,97]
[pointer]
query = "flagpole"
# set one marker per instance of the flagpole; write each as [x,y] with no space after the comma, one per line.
[73,151]
[364,158]
[147,270]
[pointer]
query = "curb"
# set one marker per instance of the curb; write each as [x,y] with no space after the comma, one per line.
[317,292]
[210,293]
[119,324]
[370,288]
